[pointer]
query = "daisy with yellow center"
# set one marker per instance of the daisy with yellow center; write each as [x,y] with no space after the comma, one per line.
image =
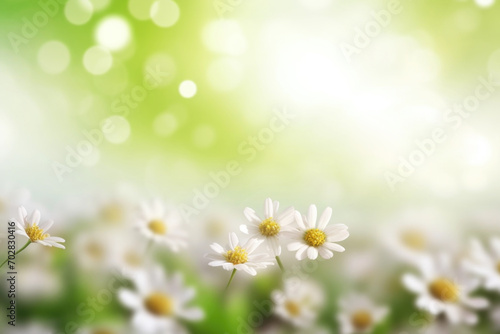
[358,314]
[238,257]
[158,302]
[311,238]
[444,289]
[162,226]
[270,227]
[299,303]
[34,231]
[485,263]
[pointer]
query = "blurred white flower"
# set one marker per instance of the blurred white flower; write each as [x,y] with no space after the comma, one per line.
[416,233]
[239,257]
[161,226]
[92,250]
[443,289]
[485,264]
[35,232]
[310,239]
[299,303]
[358,314]
[129,255]
[270,227]
[103,329]
[158,303]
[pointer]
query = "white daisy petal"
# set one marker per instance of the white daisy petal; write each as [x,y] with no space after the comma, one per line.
[325,253]
[233,240]
[300,222]
[334,247]
[312,253]
[312,215]
[129,299]
[268,208]
[325,218]
[301,253]
[217,248]
[413,283]
[251,215]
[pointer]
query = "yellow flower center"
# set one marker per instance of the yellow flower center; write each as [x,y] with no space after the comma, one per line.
[112,213]
[293,308]
[315,237]
[269,227]
[36,233]
[361,320]
[414,240]
[236,256]
[445,290]
[159,304]
[157,227]
[133,259]
[95,250]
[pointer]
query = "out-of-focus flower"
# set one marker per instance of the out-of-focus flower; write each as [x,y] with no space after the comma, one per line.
[485,264]
[93,250]
[270,227]
[359,314]
[299,303]
[311,239]
[32,328]
[159,302]
[129,255]
[414,234]
[48,282]
[236,257]
[35,231]
[161,226]
[442,289]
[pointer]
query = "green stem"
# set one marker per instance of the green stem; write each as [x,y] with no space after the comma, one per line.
[19,251]
[230,280]
[280,264]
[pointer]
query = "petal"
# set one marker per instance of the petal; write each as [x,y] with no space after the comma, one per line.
[325,253]
[22,215]
[298,219]
[286,217]
[129,299]
[276,206]
[338,236]
[295,246]
[217,248]
[413,283]
[312,215]
[46,225]
[301,253]
[244,229]
[217,263]
[56,239]
[252,244]
[251,215]
[334,247]
[35,217]
[477,303]
[312,253]
[233,240]
[268,208]
[325,218]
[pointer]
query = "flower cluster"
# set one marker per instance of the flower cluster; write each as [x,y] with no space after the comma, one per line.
[305,235]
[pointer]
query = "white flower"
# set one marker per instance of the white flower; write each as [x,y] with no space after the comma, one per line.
[445,290]
[310,239]
[485,265]
[157,302]
[359,314]
[161,226]
[35,232]
[299,303]
[270,227]
[239,257]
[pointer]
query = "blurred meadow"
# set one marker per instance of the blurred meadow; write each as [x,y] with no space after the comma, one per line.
[150,131]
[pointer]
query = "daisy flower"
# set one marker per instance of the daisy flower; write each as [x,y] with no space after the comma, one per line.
[311,239]
[235,257]
[160,226]
[359,314]
[159,302]
[270,227]
[299,302]
[443,289]
[485,264]
[35,231]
